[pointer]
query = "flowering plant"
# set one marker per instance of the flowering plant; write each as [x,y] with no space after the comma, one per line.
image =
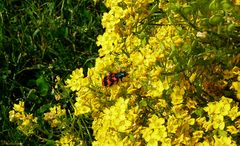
[183,80]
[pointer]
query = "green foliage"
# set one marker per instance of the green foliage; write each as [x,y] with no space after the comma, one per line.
[42,86]
[38,41]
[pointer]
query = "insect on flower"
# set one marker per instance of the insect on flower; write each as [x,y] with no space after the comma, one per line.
[113,77]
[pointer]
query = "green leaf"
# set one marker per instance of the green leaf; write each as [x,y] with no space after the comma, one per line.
[43,109]
[216,19]
[199,112]
[214,5]
[42,85]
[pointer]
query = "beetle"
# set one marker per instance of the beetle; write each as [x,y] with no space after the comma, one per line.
[113,78]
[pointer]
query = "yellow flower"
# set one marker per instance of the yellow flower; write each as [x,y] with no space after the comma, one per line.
[207,125]
[74,83]
[197,135]
[161,103]
[156,122]
[236,2]
[113,121]
[26,122]
[204,143]
[234,113]
[166,84]
[166,142]
[146,52]
[193,77]
[223,141]
[156,89]
[228,74]
[12,115]
[152,142]
[177,95]
[19,107]
[211,108]
[218,122]
[179,111]
[224,105]
[178,42]
[191,104]
[236,86]
[182,139]
[136,58]
[236,70]
[67,140]
[156,130]
[232,129]
[147,134]
[111,4]
[81,108]
[53,117]
[172,124]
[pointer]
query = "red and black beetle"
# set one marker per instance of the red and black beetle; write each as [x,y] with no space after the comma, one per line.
[113,77]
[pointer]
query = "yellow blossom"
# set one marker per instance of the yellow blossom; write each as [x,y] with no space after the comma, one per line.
[179,111]
[193,77]
[197,135]
[218,122]
[201,120]
[177,95]
[53,117]
[76,76]
[236,2]
[205,143]
[19,107]
[11,115]
[234,113]
[112,122]
[228,74]
[26,122]
[223,141]
[67,140]
[172,124]
[236,70]
[178,42]
[161,103]
[156,89]
[207,125]
[136,58]
[222,107]
[191,104]
[232,129]
[211,108]
[156,130]
[236,86]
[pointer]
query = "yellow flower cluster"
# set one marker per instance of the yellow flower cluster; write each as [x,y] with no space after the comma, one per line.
[215,121]
[115,124]
[236,84]
[26,122]
[222,116]
[155,103]
[217,111]
[156,132]
[67,140]
[54,116]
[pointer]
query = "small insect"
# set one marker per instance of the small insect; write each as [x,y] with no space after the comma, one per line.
[113,77]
